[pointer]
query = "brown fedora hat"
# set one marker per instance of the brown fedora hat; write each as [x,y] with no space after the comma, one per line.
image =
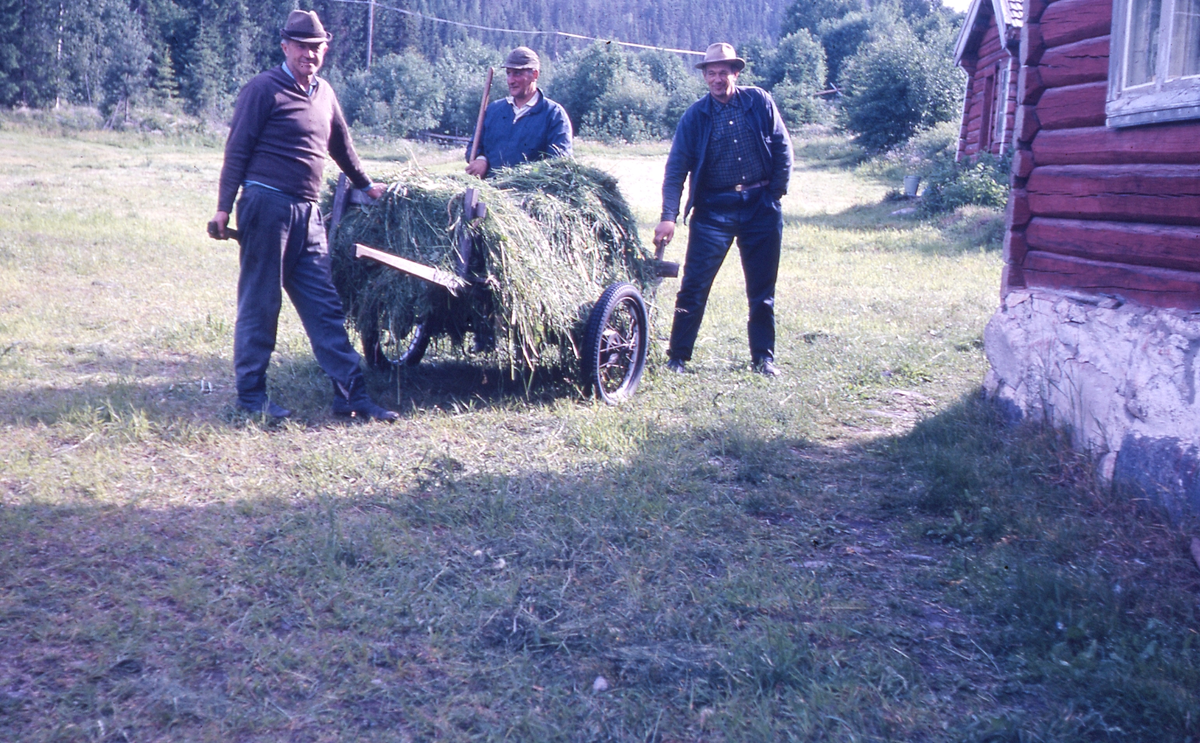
[722,52]
[304,26]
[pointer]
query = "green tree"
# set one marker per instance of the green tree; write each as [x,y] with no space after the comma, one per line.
[462,72]
[842,38]
[898,84]
[397,96]
[632,109]
[10,51]
[124,62]
[808,14]
[799,59]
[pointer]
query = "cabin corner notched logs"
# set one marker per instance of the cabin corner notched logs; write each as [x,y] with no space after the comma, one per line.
[1094,208]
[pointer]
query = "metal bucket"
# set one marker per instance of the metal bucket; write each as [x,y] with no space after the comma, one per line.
[911,182]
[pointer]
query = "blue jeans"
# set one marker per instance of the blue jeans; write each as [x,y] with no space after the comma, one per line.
[283,248]
[754,219]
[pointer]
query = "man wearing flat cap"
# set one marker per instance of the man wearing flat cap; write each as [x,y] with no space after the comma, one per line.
[733,148]
[526,125]
[285,122]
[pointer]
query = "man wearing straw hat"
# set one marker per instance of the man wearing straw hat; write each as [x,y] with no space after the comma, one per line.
[526,125]
[284,123]
[735,150]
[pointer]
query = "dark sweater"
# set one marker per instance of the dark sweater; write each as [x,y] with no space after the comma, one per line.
[279,137]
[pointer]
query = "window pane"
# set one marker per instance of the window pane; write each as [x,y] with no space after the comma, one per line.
[999,118]
[1141,48]
[1185,39]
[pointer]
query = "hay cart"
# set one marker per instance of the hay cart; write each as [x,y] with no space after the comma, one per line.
[615,336]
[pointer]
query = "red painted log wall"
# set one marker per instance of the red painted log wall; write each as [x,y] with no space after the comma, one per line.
[1093,208]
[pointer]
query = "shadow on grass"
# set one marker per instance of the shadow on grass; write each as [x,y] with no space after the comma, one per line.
[459,601]
[119,391]
[1086,595]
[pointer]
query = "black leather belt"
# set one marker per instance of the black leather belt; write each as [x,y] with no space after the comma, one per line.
[742,187]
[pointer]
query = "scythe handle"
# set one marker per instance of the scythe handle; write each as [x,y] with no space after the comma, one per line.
[483,104]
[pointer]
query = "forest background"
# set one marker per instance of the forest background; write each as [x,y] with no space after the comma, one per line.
[881,70]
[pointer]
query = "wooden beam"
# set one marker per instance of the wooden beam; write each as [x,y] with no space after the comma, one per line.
[1068,21]
[1073,64]
[1101,145]
[1029,86]
[1015,247]
[1073,106]
[1027,124]
[1166,194]
[444,279]
[1016,214]
[1032,44]
[1157,287]
[1164,246]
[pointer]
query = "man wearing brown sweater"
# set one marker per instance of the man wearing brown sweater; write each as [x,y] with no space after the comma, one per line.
[284,123]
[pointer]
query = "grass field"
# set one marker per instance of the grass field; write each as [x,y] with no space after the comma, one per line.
[857,550]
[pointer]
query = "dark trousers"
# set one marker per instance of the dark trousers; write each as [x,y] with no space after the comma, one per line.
[754,219]
[283,248]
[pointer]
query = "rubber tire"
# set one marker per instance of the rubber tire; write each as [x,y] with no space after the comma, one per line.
[414,350]
[616,339]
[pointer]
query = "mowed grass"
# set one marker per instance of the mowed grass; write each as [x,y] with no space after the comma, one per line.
[822,556]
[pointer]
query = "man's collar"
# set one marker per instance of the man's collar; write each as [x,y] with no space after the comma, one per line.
[533,100]
[733,99]
[311,88]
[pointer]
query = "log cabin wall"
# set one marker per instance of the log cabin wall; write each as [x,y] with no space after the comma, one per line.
[1095,209]
[1098,329]
[990,60]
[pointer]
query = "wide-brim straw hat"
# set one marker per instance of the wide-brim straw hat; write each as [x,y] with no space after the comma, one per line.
[305,27]
[722,52]
[522,58]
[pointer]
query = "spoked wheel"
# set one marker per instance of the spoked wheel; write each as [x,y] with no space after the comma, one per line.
[614,345]
[386,352]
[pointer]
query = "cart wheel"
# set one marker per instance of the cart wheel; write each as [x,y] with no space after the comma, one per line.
[386,353]
[614,346]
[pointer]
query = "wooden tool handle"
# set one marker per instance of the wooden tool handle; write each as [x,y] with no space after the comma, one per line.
[483,104]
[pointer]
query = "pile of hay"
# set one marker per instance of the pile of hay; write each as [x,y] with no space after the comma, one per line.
[556,234]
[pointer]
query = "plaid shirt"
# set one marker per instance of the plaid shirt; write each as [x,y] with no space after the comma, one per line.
[733,157]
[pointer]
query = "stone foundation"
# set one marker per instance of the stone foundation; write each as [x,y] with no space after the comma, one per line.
[1120,377]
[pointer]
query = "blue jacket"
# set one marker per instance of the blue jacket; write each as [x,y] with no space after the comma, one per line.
[543,132]
[688,148]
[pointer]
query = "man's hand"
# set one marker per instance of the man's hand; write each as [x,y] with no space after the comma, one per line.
[478,167]
[217,226]
[375,191]
[664,233]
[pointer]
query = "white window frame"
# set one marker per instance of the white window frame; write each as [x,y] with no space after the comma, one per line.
[1000,105]
[1159,100]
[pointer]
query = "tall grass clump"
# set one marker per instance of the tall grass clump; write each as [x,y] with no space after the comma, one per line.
[1086,599]
[555,235]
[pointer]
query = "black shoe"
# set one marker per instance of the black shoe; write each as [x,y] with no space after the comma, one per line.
[355,403]
[269,408]
[767,368]
[365,410]
[676,366]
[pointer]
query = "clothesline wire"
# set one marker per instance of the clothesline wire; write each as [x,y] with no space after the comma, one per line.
[477,27]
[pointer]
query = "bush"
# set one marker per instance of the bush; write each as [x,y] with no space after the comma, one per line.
[982,181]
[927,151]
[799,59]
[631,110]
[897,85]
[799,106]
[395,97]
[462,72]
[616,96]
[842,38]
